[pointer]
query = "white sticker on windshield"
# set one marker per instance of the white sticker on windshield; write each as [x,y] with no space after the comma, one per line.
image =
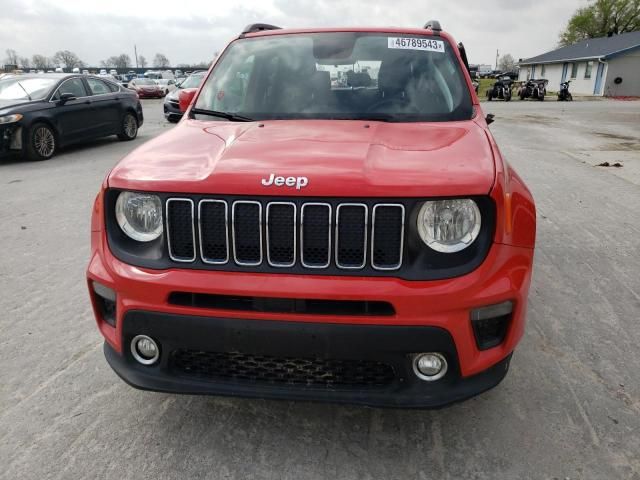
[416,44]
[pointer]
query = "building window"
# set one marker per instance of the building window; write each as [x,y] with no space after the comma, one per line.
[587,71]
[542,70]
[574,70]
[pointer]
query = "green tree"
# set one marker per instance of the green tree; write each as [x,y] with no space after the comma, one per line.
[602,18]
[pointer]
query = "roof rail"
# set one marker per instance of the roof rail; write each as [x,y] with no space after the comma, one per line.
[259,27]
[433,25]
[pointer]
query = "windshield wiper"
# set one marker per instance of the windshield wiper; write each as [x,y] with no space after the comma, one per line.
[23,89]
[232,117]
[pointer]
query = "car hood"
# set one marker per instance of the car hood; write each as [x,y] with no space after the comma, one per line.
[339,158]
[11,104]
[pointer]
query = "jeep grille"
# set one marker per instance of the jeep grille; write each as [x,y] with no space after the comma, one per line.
[284,235]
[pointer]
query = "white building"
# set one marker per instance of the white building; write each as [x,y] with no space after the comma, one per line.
[608,66]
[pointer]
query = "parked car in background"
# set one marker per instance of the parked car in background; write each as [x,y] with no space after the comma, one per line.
[167,85]
[103,71]
[146,88]
[85,72]
[41,113]
[172,110]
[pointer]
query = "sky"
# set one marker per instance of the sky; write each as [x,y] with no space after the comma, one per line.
[191,31]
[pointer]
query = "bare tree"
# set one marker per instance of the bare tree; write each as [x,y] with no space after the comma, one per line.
[507,63]
[142,61]
[12,57]
[117,61]
[40,62]
[68,59]
[160,61]
[25,62]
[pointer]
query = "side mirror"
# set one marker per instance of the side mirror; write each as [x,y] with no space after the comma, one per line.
[490,118]
[186,97]
[66,97]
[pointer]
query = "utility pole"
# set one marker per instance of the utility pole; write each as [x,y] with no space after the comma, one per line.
[135,50]
[497,58]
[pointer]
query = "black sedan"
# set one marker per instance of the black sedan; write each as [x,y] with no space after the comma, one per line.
[41,113]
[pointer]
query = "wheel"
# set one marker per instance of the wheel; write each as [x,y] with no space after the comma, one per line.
[522,97]
[489,96]
[173,119]
[129,127]
[507,96]
[41,144]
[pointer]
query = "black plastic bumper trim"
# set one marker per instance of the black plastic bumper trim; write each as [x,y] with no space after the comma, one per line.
[393,345]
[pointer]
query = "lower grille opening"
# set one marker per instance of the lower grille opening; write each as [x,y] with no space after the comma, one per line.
[282,305]
[490,324]
[240,367]
[490,332]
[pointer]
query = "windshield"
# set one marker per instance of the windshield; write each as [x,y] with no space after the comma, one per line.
[389,77]
[192,81]
[23,88]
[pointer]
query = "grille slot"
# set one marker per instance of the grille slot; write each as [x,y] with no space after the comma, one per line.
[247,233]
[351,235]
[387,237]
[281,234]
[283,305]
[291,371]
[214,231]
[180,230]
[315,235]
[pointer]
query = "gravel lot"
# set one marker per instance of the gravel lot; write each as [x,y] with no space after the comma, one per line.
[570,407]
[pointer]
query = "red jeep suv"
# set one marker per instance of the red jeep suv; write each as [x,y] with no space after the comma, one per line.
[330,220]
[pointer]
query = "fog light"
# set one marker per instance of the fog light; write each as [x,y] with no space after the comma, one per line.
[145,350]
[430,366]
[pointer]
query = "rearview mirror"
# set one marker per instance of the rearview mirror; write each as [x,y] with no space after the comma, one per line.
[186,97]
[66,97]
[490,118]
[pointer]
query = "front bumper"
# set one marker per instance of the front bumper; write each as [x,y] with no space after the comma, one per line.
[391,346]
[172,110]
[422,308]
[10,138]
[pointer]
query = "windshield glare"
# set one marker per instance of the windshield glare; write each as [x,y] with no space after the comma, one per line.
[192,81]
[391,77]
[23,88]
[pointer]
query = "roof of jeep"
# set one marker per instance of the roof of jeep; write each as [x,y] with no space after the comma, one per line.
[290,31]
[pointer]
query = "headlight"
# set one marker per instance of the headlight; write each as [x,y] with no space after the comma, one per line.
[449,226]
[10,119]
[139,215]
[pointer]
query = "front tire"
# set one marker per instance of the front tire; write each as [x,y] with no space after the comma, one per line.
[129,127]
[41,144]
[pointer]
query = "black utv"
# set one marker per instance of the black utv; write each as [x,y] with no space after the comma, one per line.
[501,89]
[535,89]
